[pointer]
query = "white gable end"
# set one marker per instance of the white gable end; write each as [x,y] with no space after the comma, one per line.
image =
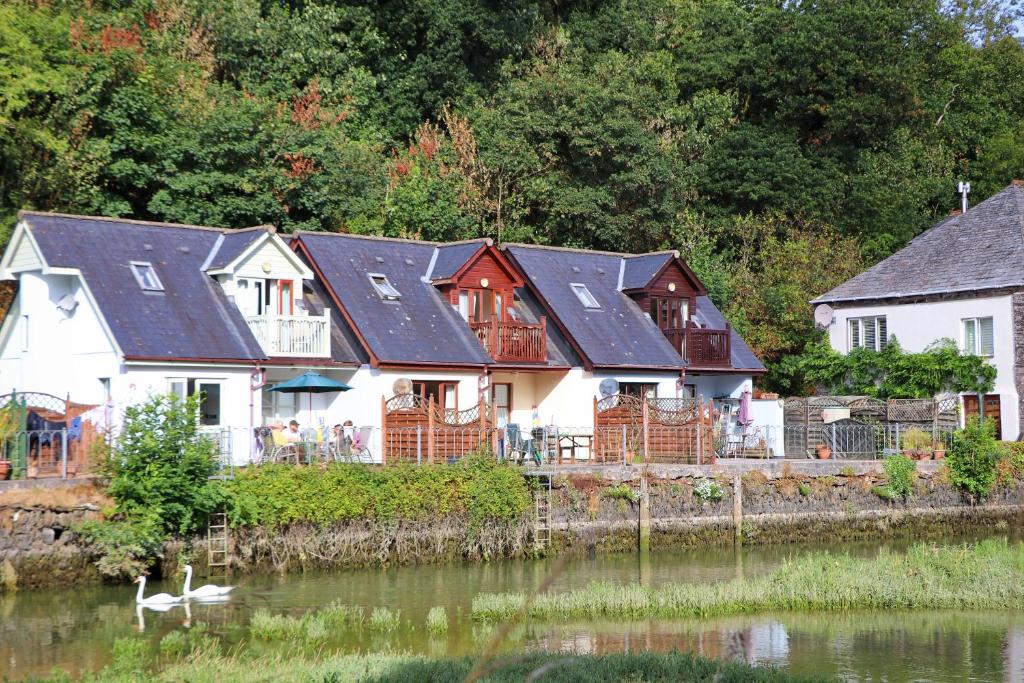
[271,258]
[22,255]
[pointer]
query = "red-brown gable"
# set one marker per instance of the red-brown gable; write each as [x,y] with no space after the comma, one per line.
[487,264]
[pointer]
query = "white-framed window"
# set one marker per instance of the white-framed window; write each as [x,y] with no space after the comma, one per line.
[868,332]
[145,275]
[279,407]
[384,288]
[978,337]
[584,295]
[209,401]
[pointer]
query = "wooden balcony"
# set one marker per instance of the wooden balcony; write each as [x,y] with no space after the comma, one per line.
[702,347]
[513,342]
[295,336]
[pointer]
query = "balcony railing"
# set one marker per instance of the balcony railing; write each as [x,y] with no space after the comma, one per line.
[299,336]
[702,347]
[510,342]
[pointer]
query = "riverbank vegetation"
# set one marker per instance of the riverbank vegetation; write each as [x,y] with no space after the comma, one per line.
[988,575]
[197,659]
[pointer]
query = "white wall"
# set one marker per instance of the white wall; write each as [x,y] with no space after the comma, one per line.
[918,325]
[63,354]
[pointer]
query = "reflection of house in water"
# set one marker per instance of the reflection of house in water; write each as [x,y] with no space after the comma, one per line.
[1013,666]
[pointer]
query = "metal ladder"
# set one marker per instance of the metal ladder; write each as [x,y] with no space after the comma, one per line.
[542,516]
[217,543]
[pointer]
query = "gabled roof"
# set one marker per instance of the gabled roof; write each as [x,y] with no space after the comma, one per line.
[639,270]
[191,318]
[419,328]
[232,245]
[979,250]
[618,334]
[452,257]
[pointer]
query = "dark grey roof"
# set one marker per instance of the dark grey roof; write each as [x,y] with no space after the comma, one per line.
[345,347]
[617,334]
[981,249]
[191,318]
[743,357]
[232,245]
[451,257]
[639,270]
[419,328]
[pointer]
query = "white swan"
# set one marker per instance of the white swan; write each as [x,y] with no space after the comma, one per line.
[207,591]
[158,599]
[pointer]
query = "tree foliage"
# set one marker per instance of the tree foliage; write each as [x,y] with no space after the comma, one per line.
[839,126]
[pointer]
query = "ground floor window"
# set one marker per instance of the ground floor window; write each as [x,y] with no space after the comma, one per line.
[279,407]
[445,394]
[992,410]
[638,389]
[209,400]
[501,399]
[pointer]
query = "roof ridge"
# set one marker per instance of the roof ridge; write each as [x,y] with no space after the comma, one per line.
[382,238]
[577,250]
[131,221]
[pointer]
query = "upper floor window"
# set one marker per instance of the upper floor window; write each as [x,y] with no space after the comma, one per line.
[868,333]
[584,295]
[145,275]
[670,313]
[978,337]
[384,288]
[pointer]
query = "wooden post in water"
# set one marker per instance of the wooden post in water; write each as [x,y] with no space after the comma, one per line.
[737,508]
[645,513]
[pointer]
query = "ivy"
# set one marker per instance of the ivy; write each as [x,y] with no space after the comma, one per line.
[895,373]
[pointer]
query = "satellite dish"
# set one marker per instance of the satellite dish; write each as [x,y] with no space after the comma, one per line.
[609,387]
[823,315]
[402,386]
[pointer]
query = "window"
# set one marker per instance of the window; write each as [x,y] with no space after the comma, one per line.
[978,337]
[868,333]
[638,389]
[384,288]
[279,407]
[584,295]
[669,313]
[209,399]
[445,394]
[145,275]
[501,397]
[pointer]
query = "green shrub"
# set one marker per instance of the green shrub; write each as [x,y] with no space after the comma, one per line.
[125,547]
[883,492]
[437,621]
[901,472]
[621,492]
[384,620]
[479,488]
[974,457]
[707,490]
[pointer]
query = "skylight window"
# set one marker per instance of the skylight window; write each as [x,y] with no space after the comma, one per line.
[584,295]
[384,288]
[145,275]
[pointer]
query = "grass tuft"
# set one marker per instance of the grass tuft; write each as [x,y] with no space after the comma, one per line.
[437,621]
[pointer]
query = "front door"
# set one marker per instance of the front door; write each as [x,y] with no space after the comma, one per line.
[992,410]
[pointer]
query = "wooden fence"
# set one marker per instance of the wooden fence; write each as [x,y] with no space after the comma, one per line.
[656,430]
[418,430]
[60,446]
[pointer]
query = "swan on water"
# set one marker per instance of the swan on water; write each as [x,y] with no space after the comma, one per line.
[158,599]
[207,591]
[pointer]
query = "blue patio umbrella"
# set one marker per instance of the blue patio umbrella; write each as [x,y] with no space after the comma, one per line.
[310,383]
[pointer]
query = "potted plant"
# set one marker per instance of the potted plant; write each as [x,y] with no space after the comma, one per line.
[917,444]
[938,450]
[33,472]
[823,451]
[5,469]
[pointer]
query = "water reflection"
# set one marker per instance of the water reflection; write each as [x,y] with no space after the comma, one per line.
[74,629]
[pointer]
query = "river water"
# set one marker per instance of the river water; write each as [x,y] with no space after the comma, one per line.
[73,629]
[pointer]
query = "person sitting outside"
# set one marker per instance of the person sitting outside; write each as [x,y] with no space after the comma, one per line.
[292,434]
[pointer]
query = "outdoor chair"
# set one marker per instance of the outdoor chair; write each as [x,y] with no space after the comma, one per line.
[280,449]
[517,448]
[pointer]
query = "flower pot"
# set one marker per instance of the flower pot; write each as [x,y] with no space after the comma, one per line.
[630,457]
[939,453]
[5,470]
[824,452]
[33,472]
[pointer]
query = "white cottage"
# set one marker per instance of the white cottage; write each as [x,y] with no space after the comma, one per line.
[962,280]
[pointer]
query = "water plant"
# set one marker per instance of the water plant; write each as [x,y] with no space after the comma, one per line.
[981,576]
[437,621]
[384,620]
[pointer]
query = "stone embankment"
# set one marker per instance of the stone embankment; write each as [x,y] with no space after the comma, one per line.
[37,546]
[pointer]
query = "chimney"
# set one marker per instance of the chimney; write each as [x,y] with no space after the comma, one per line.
[964,189]
[954,213]
[1017,183]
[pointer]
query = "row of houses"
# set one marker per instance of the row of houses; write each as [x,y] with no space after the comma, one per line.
[111,310]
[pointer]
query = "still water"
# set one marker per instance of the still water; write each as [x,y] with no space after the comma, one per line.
[73,629]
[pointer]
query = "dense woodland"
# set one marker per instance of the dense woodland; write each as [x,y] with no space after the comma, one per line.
[780,145]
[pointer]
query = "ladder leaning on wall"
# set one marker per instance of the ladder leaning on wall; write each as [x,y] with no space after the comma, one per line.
[217,543]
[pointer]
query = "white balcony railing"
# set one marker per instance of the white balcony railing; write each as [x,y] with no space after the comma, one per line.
[301,336]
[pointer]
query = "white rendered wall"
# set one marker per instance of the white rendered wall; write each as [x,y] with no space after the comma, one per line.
[918,325]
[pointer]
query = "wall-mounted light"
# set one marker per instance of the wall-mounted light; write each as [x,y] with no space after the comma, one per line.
[267,267]
[484,282]
[671,286]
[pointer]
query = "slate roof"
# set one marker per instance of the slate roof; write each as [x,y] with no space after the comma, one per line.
[451,257]
[232,244]
[618,334]
[419,328]
[981,249]
[191,319]
[641,269]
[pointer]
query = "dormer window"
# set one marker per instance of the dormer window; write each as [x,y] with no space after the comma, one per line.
[145,275]
[584,295]
[384,288]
